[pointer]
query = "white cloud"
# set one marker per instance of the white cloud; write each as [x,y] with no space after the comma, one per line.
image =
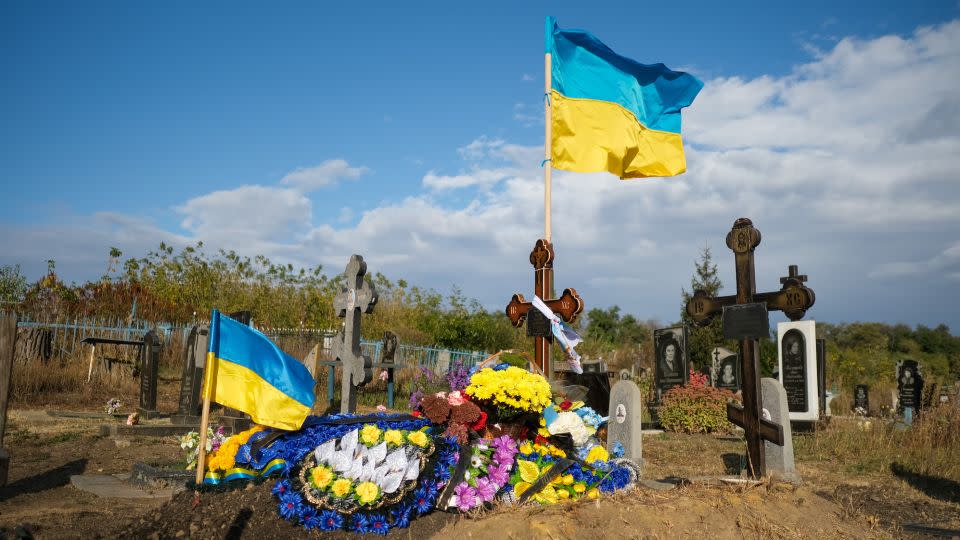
[246,212]
[947,263]
[526,77]
[325,174]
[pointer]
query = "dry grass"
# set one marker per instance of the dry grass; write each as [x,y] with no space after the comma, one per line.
[873,445]
[35,383]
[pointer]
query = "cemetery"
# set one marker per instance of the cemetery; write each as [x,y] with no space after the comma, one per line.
[200,395]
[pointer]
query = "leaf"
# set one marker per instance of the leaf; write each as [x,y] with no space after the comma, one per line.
[529,472]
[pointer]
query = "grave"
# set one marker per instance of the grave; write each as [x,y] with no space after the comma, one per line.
[149,366]
[596,379]
[793,299]
[567,307]
[443,363]
[8,345]
[861,399]
[388,347]
[672,358]
[625,423]
[191,379]
[797,365]
[355,297]
[779,458]
[909,388]
[725,371]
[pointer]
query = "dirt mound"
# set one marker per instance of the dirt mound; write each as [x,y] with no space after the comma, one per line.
[763,511]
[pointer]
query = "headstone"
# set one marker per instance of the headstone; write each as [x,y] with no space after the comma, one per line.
[389,348]
[672,359]
[797,365]
[191,380]
[443,362]
[726,369]
[311,360]
[356,296]
[780,462]
[567,307]
[149,366]
[625,423]
[793,299]
[861,399]
[596,383]
[909,387]
[8,345]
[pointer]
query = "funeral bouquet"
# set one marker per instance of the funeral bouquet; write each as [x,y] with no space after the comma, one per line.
[223,458]
[509,391]
[478,481]
[191,443]
[454,410]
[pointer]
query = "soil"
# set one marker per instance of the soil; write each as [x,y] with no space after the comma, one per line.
[45,450]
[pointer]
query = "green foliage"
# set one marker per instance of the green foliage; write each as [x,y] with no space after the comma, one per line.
[13,284]
[610,335]
[695,408]
[702,340]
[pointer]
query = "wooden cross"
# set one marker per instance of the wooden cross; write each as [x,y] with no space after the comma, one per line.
[793,299]
[356,297]
[567,307]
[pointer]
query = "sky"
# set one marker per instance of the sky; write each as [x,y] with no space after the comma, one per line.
[412,133]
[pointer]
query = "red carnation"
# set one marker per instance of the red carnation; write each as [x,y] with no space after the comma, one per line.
[566,405]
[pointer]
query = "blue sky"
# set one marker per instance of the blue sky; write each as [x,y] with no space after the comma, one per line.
[127,124]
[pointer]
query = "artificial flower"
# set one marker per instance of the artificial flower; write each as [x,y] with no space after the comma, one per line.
[563,494]
[593,493]
[341,487]
[526,448]
[330,520]
[378,524]
[597,453]
[393,437]
[370,434]
[367,492]
[529,472]
[579,487]
[455,398]
[321,477]
[418,438]
[466,497]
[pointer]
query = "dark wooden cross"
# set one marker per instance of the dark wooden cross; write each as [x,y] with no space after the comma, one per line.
[357,296]
[567,307]
[793,299]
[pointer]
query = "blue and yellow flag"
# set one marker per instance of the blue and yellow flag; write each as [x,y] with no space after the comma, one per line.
[251,374]
[610,113]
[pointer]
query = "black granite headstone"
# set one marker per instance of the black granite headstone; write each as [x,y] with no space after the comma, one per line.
[822,375]
[909,384]
[728,374]
[191,380]
[672,360]
[149,366]
[861,398]
[388,349]
[794,373]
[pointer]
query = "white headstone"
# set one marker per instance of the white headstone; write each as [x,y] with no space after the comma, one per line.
[443,362]
[311,360]
[797,368]
[779,459]
[625,422]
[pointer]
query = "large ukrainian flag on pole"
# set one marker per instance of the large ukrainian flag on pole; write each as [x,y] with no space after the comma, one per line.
[610,113]
[246,371]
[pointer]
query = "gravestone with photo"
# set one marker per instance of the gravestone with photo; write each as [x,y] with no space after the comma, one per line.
[797,365]
[671,359]
[149,371]
[779,458]
[191,378]
[861,399]
[625,423]
[909,388]
[725,369]
[8,345]
[388,349]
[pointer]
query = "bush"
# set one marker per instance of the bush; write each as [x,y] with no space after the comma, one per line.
[695,408]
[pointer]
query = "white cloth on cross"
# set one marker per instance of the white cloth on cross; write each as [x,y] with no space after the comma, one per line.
[567,337]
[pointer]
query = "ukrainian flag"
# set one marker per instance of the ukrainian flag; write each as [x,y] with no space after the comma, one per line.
[248,372]
[610,113]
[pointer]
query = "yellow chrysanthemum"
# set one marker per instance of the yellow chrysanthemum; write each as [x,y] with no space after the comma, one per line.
[341,487]
[321,477]
[567,480]
[579,487]
[393,437]
[526,448]
[597,453]
[370,434]
[593,493]
[367,492]
[563,494]
[418,438]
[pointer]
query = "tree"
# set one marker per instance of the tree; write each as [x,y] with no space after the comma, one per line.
[13,284]
[702,339]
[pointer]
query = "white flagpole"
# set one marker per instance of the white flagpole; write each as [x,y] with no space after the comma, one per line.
[547,143]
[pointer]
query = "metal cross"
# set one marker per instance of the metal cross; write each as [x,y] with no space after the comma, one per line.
[356,297]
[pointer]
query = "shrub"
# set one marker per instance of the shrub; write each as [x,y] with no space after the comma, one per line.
[695,408]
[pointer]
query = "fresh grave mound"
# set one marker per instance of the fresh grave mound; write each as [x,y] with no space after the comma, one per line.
[379,473]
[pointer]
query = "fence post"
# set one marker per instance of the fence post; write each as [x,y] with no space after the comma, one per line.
[8,341]
[330,385]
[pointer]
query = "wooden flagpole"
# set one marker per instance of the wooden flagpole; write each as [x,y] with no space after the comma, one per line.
[209,381]
[547,143]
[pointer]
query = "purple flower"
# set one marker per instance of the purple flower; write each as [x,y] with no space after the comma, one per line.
[503,457]
[466,496]
[504,443]
[415,398]
[486,490]
[497,474]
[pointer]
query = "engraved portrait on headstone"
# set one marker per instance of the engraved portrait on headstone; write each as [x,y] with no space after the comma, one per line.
[909,384]
[861,398]
[672,361]
[794,371]
[729,373]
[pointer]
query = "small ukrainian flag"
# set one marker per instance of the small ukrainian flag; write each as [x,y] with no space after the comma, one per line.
[250,373]
[610,113]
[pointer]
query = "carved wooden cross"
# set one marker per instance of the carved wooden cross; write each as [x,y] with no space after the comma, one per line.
[794,299]
[567,307]
[356,297]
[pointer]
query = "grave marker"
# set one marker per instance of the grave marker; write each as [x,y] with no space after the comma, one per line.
[149,366]
[567,307]
[909,388]
[443,363]
[311,360]
[389,348]
[779,458]
[725,369]
[356,296]
[8,345]
[191,379]
[797,365]
[672,359]
[793,298]
[625,423]
[861,398]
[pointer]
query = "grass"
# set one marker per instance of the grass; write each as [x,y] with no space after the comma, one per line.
[930,447]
